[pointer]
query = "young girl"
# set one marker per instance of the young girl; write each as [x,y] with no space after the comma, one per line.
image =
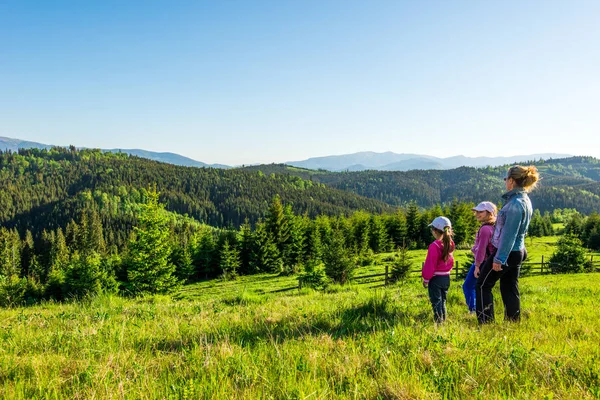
[437,267]
[485,213]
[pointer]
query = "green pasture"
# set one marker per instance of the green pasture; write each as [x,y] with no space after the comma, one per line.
[261,338]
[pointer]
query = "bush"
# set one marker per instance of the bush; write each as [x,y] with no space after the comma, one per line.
[12,290]
[313,275]
[82,277]
[54,286]
[569,257]
[401,265]
[339,263]
[366,258]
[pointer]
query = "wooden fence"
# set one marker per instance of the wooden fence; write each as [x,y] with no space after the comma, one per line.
[459,272]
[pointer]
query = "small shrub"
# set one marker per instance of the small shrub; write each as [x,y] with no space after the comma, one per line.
[401,265]
[82,277]
[339,263]
[367,258]
[54,285]
[313,275]
[12,290]
[569,257]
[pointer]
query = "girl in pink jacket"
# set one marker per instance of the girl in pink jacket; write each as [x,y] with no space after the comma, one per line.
[485,212]
[437,266]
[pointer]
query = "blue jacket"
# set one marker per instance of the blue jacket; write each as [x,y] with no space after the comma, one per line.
[512,224]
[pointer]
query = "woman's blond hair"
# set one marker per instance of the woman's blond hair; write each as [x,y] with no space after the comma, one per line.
[524,177]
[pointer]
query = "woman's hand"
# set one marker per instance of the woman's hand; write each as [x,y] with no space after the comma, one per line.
[425,284]
[476,272]
[497,266]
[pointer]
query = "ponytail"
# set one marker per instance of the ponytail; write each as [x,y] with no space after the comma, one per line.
[525,177]
[447,242]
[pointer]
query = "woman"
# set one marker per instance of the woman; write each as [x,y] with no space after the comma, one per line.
[508,240]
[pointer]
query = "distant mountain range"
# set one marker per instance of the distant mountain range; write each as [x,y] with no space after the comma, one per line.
[390,161]
[170,158]
[366,160]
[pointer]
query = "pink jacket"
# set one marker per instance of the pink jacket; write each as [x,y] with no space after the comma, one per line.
[434,265]
[483,243]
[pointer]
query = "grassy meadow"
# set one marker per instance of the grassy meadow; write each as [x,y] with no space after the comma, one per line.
[261,338]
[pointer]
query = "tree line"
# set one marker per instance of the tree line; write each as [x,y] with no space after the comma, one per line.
[77,223]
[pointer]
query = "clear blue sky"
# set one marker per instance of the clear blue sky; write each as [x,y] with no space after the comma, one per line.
[270,81]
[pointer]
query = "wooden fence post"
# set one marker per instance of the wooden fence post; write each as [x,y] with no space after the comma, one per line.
[542,267]
[456,266]
[387,267]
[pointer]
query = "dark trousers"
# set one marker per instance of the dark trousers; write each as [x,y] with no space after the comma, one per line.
[438,291]
[509,287]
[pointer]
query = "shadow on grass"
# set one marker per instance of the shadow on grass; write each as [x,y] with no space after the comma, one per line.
[377,314]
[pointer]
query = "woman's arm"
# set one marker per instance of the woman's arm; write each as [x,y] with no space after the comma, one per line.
[510,230]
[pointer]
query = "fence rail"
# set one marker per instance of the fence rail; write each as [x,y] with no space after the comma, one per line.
[527,269]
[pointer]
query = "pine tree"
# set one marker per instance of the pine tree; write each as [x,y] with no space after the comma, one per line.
[82,276]
[182,258]
[229,260]
[396,226]
[569,255]
[413,225]
[27,254]
[10,252]
[148,267]
[245,243]
[293,255]
[205,254]
[339,263]
[278,225]
[314,246]
[265,254]
[379,239]
[402,264]
[59,252]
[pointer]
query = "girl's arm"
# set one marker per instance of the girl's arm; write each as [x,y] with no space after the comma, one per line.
[433,255]
[483,239]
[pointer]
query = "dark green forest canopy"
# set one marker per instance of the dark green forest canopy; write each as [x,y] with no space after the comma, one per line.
[48,188]
[566,183]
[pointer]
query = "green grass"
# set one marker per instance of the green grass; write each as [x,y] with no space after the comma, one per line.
[239,340]
[260,337]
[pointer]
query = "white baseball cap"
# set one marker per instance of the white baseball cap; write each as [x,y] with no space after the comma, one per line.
[486,206]
[440,223]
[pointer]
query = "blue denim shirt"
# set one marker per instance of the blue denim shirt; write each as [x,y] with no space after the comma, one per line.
[512,224]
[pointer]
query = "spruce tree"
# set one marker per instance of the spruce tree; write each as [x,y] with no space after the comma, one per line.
[245,243]
[413,225]
[229,260]
[265,254]
[402,264]
[339,263]
[149,269]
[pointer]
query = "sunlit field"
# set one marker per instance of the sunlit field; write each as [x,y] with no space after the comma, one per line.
[261,337]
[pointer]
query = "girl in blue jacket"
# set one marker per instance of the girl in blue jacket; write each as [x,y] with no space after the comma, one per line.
[504,264]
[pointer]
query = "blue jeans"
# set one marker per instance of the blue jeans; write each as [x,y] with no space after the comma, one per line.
[470,288]
[438,291]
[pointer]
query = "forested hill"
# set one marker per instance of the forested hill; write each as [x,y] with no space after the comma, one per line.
[566,183]
[42,188]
